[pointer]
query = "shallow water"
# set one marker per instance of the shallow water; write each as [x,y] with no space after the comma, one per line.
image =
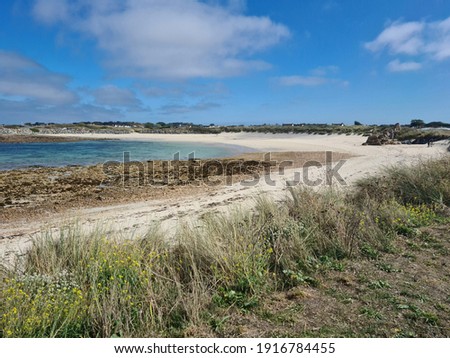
[22,155]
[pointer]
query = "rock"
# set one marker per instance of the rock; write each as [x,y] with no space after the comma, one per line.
[380,139]
[373,140]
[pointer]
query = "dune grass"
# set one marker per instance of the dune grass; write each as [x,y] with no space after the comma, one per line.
[97,285]
[426,183]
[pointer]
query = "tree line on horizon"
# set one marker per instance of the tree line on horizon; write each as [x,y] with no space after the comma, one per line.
[415,123]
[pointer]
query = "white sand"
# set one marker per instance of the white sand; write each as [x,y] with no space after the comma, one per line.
[134,219]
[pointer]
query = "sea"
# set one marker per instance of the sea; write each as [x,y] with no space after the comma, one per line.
[25,155]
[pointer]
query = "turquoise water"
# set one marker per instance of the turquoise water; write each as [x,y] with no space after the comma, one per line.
[22,155]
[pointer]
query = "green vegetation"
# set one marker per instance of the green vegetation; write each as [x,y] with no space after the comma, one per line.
[370,262]
[417,132]
[411,131]
[419,136]
[417,123]
[426,184]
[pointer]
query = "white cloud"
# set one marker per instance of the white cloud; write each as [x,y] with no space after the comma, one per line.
[439,46]
[11,61]
[171,39]
[31,92]
[397,66]
[49,11]
[21,77]
[429,40]
[399,38]
[301,81]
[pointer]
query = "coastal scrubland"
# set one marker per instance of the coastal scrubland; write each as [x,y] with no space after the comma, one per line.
[433,131]
[371,261]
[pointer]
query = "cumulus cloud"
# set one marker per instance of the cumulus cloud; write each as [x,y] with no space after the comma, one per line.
[170,39]
[21,77]
[399,38]
[31,92]
[439,46]
[397,66]
[429,40]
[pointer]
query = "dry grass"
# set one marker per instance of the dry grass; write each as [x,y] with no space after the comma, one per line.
[426,183]
[315,247]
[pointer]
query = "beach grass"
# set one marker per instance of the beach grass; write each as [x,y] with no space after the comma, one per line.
[372,261]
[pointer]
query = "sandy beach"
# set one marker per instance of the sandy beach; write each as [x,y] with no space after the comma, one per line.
[134,218]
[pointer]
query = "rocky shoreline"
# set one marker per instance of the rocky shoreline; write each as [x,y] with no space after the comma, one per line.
[36,192]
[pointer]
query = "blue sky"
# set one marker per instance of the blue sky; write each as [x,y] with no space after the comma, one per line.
[224,61]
